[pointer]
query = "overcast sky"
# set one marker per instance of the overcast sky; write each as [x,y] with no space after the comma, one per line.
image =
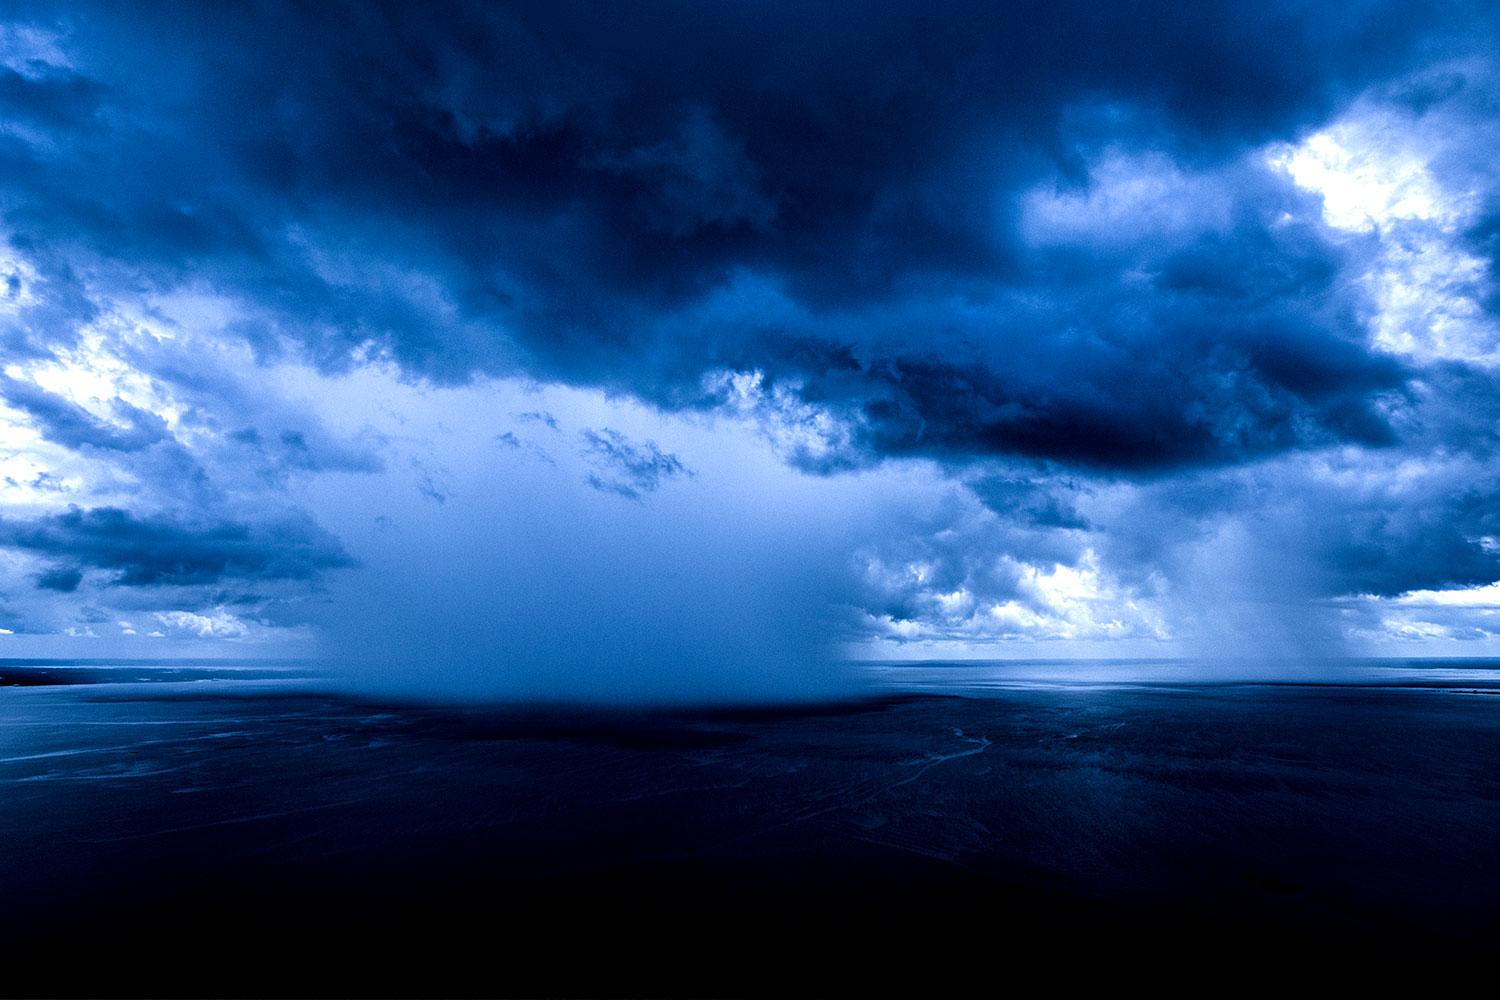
[583,344]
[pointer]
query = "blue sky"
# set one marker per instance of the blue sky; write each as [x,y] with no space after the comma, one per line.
[582,345]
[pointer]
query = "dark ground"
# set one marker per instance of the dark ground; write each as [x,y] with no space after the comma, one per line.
[232,837]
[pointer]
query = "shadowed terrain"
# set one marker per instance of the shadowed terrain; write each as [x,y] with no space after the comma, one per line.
[250,835]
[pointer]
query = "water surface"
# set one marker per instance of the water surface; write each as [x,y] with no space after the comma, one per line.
[240,828]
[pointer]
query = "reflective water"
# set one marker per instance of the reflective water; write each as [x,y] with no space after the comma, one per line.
[1136,808]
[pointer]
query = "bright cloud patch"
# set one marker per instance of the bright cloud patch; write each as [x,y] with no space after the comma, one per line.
[1397,175]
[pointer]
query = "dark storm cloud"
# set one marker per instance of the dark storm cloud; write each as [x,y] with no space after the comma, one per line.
[42,482]
[64,580]
[1133,345]
[153,551]
[310,449]
[1038,243]
[52,99]
[627,467]
[561,188]
[1484,236]
[70,425]
[1379,527]
[1443,542]
[538,417]
[1038,504]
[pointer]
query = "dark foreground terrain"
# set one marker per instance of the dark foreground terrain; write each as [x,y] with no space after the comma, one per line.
[243,834]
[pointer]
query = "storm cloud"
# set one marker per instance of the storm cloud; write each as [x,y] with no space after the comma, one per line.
[474,189]
[162,551]
[72,426]
[1118,304]
[626,467]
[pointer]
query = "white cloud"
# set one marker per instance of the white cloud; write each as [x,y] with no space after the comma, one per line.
[1369,175]
[1127,196]
[218,624]
[1388,174]
[803,434]
[31,51]
[1487,597]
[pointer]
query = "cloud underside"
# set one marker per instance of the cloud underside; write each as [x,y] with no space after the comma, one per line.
[1134,281]
[161,552]
[501,190]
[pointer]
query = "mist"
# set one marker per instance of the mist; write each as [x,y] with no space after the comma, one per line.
[524,565]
